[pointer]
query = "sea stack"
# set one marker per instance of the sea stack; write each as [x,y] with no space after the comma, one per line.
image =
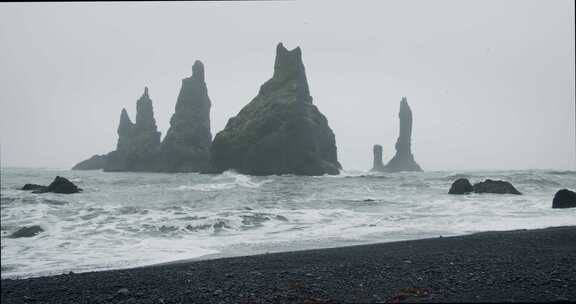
[377,165]
[186,147]
[280,131]
[403,160]
[138,143]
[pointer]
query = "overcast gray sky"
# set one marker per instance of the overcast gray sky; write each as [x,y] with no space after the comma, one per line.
[490,82]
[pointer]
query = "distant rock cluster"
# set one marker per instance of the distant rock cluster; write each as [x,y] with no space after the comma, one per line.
[186,147]
[403,160]
[279,132]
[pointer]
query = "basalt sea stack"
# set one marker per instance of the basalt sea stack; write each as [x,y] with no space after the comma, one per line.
[377,165]
[403,160]
[280,131]
[186,147]
[138,143]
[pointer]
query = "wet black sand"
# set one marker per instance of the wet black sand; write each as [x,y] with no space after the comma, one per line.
[526,265]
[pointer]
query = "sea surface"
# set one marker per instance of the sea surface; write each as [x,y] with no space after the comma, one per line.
[124,220]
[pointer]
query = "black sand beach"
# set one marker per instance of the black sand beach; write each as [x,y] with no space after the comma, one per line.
[514,266]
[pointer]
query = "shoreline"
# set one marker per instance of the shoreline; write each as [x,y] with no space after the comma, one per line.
[520,265]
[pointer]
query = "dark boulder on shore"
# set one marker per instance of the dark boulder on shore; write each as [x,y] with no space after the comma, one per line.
[186,147]
[495,186]
[96,162]
[403,160]
[27,232]
[280,131]
[461,186]
[564,199]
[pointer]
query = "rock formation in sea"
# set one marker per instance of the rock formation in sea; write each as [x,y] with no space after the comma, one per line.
[138,143]
[461,186]
[564,199]
[280,131]
[186,147]
[377,164]
[403,160]
[34,187]
[27,232]
[59,185]
[495,186]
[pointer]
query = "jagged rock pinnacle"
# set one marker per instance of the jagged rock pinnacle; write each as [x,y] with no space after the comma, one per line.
[403,160]
[198,70]
[280,131]
[186,147]
[377,164]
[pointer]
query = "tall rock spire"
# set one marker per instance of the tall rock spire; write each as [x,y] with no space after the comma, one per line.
[403,160]
[280,131]
[125,129]
[377,164]
[138,143]
[186,147]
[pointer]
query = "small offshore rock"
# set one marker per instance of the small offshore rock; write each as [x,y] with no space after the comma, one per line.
[461,186]
[27,232]
[63,185]
[34,187]
[564,199]
[495,186]
[123,292]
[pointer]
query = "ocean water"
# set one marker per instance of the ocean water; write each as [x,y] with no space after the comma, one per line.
[133,219]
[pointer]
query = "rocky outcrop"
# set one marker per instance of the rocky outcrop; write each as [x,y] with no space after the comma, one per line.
[63,185]
[280,131]
[186,147]
[27,232]
[403,160]
[34,187]
[59,185]
[564,199]
[377,164]
[495,186]
[461,186]
[95,162]
[138,143]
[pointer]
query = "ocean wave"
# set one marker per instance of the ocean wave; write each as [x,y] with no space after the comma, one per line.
[539,182]
[564,172]
[454,177]
[238,180]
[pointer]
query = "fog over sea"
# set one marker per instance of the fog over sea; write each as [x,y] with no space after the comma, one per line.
[125,220]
